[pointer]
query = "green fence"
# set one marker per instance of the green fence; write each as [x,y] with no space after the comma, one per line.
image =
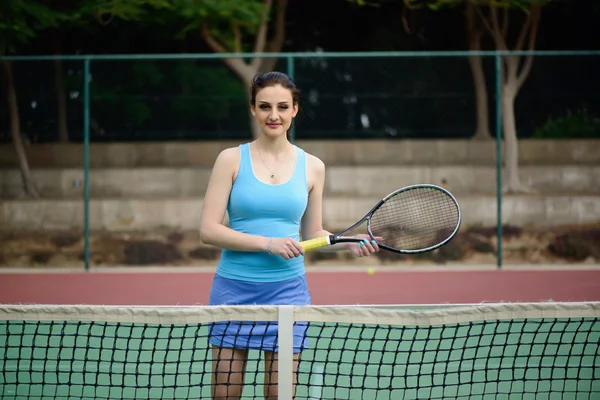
[392,95]
[197,97]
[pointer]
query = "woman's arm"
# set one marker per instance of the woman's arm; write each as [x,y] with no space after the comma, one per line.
[312,221]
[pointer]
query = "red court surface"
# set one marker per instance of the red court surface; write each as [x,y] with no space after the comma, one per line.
[328,286]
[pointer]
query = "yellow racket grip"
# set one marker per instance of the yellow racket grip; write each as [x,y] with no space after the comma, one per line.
[315,243]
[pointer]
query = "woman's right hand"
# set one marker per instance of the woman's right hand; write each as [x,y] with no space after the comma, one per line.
[286,248]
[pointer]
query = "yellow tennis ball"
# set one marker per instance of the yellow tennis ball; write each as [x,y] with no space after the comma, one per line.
[370,271]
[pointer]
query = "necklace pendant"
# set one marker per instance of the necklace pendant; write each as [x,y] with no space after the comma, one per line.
[272,176]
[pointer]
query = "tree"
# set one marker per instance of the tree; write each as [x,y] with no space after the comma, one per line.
[514,72]
[474,30]
[494,15]
[474,35]
[21,22]
[81,14]
[239,26]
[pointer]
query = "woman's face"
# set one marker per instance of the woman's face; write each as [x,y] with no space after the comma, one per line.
[274,110]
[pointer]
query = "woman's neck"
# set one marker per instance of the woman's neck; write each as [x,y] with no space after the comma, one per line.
[273,146]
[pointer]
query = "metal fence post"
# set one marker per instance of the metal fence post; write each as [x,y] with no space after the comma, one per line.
[86,162]
[498,70]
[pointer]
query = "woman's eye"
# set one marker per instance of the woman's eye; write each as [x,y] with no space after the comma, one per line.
[266,107]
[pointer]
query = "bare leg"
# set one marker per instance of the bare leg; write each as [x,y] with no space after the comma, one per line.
[271,375]
[229,368]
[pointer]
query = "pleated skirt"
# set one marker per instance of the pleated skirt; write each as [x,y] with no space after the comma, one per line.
[260,335]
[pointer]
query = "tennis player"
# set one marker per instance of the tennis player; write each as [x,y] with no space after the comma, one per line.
[272,191]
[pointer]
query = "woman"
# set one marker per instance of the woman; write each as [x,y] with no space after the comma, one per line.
[272,191]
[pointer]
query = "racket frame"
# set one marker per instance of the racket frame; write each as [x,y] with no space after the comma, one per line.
[340,238]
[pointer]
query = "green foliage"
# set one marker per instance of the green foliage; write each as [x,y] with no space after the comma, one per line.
[433,5]
[246,12]
[128,95]
[146,73]
[436,5]
[227,20]
[92,15]
[199,90]
[209,91]
[365,3]
[22,19]
[105,11]
[183,91]
[579,124]
[124,9]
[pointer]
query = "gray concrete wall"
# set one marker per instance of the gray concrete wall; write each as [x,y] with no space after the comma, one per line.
[182,182]
[342,152]
[339,212]
[164,188]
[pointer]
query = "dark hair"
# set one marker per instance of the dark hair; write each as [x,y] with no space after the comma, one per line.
[273,78]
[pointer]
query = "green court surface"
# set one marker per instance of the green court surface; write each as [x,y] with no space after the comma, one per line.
[518,359]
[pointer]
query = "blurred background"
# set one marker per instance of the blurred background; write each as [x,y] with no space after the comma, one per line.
[112,113]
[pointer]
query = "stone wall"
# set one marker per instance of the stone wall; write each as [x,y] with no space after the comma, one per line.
[160,185]
[183,182]
[339,152]
[339,212]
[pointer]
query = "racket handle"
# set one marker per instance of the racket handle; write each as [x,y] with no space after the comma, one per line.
[316,243]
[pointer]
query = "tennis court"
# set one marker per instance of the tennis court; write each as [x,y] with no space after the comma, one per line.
[434,352]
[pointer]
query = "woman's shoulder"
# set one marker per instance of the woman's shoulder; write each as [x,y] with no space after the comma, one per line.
[315,169]
[314,163]
[228,155]
[227,162]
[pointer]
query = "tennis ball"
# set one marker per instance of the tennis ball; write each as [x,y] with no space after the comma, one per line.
[370,271]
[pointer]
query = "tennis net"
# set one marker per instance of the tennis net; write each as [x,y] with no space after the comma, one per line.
[496,351]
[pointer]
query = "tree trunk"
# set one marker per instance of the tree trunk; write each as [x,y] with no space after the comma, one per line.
[482,131]
[513,76]
[244,70]
[253,125]
[474,33]
[61,97]
[15,130]
[512,183]
[276,43]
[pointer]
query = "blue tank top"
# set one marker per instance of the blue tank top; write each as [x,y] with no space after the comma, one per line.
[271,210]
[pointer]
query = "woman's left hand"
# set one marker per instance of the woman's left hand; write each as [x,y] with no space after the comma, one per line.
[364,248]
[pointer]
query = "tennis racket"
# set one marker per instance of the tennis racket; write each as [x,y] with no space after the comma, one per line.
[414,219]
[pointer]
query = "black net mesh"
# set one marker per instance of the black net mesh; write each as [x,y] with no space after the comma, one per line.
[525,351]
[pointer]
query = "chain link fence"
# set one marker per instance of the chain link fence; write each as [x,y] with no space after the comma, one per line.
[354,97]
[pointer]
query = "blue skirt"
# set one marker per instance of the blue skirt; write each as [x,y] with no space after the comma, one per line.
[257,335]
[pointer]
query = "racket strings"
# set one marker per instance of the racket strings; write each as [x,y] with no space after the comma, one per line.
[415,219]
